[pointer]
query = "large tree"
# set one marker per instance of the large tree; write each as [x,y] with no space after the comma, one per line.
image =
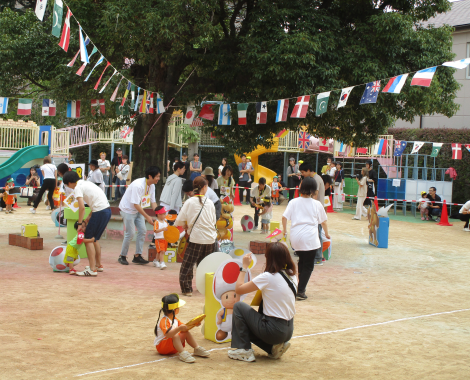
[241,51]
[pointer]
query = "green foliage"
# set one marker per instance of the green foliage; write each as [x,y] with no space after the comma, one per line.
[189,135]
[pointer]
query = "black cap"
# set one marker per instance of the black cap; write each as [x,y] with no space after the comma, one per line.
[184,154]
[94,163]
[118,149]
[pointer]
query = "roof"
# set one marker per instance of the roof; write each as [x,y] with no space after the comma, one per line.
[458,16]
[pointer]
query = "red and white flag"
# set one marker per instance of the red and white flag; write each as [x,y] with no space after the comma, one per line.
[48,107]
[261,112]
[190,114]
[457,151]
[150,108]
[65,38]
[106,84]
[207,112]
[324,145]
[301,107]
[24,106]
[95,103]
[113,96]
[101,76]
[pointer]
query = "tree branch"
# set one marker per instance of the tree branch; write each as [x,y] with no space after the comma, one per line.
[235,14]
[222,18]
[36,83]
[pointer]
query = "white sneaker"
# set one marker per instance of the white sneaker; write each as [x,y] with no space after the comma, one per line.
[33,211]
[186,357]
[1,208]
[157,264]
[242,354]
[48,207]
[279,349]
[87,272]
[354,218]
[162,265]
[466,229]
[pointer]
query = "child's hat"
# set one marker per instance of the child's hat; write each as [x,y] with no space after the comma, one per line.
[423,192]
[10,180]
[266,199]
[172,214]
[248,157]
[176,305]
[163,210]
[275,176]
[301,162]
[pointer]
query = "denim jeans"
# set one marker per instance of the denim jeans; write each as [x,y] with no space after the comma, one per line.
[106,183]
[122,189]
[131,222]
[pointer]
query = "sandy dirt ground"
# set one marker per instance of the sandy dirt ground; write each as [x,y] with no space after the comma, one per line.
[396,313]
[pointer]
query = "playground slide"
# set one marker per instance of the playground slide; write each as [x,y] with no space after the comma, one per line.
[261,171]
[21,158]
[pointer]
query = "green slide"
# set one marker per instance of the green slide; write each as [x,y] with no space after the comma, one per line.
[21,158]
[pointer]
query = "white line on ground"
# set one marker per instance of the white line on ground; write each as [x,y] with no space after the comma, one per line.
[295,337]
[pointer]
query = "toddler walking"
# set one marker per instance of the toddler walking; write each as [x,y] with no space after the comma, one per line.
[71,252]
[8,198]
[266,215]
[161,244]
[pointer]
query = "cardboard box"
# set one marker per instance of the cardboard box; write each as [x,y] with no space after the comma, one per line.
[29,230]
[170,255]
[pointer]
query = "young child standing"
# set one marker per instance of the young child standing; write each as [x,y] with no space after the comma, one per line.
[161,244]
[8,198]
[71,252]
[423,204]
[266,215]
[275,186]
[171,334]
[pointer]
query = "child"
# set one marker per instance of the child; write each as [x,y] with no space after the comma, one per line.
[71,252]
[121,172]
[171,335]
[249,165]
[161,244]
[8,198]
[275,187]
[423,203]
[266,215]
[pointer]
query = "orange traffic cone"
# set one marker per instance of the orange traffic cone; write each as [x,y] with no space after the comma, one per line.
[16,205]
[236,201]
[296,195]
[330,207]
[376,202]
[444,217]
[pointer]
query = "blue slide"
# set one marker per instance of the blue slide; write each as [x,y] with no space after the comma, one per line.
[21,158]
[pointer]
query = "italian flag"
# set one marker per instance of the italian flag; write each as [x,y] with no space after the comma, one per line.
[24,106]
[241,108]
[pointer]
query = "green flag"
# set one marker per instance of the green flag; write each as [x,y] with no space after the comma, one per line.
[57,18]
[322,103]
[122,111]
[436,147]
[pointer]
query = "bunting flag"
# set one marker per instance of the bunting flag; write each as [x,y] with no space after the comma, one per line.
[282,133]
[197,123]
[462,64]
[65,37]
[95,103]
[261,112]
[361,150]
[41,8]
[224,115]
[206,112]
[132,96]
[416,147]
[159,108]
[125,93]
[457,151]
[150,108]
[24,106]
[3,106]
[57,18]
[136,104]
[322,103]
[143,103]
[380,149]
[324,145]
[73,109]
[304,140]
[48,107]
[301,107]
[436,147]
[282,110]
[343,99]
[190,114]
[72,62]
[82,67]
[101,76]
[83,52]
[466,145]
[241,110]
[122,110]
[106,84]
[113,96]
[399,148]
[423,77]
[371,93]
[395,84]
[94,67]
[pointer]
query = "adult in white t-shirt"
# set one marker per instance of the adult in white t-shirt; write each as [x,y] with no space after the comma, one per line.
[210,194]
[139,194]
[464,214]
[272,326]
[95,224]
[49,183]
[95,175]
[104,166]
[305,215]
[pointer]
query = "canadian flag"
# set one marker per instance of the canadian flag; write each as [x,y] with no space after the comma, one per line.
[324,145]
[457,151]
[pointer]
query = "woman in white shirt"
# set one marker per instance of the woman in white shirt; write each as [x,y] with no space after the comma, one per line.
[272,326]
[305,214]
[221,167]
[49,175]
[361,195]
[198,217]
[95,175]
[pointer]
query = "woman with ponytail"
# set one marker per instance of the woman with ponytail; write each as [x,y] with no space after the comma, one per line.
[198,218]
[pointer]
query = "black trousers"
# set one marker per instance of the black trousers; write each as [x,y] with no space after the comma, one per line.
[305,267]
[248,189]
[256,217]
[463,217]
[48,184]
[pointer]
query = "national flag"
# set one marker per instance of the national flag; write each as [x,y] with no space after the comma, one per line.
[423,77]
[101,76]
[399,148]
[65,37]
[132,96]
[57,18]
[125,93]
[322,103]
[197,122]
[301,107]
[282,110]
[83,52]
[190,114]
[122,110]
[224,115]
[304,140]
[24,106]
[361,150]
[159,108]
[73,109]
[82,67]
[137,99]
[241,109]
[150,108]
[207,112]
[261,112]
[94,67]
[380,149]
[436,147]
[462,64]
[41,8]
[48,107]
[282,133]
[3,106]
[106,84]
[457,151]
[343,99]
[417,146]
[113,96]
[466,145]
[323,145]
[98,103]
[371,93]
[143,103]
[395,84]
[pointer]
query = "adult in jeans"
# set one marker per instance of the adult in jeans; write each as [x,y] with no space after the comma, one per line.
[198,217]
[305,214]
[293,175]
[244,171]
[49,183]
[272,326]
[139,193]
[171,194]
[434,209]
[115,162]
[95,223]
[259,192]
[104,166]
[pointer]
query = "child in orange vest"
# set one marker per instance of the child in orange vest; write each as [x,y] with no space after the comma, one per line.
[8,198]
[161,244]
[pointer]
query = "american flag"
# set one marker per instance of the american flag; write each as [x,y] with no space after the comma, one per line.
[304,141]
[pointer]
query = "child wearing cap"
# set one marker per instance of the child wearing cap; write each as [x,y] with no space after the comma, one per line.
[275,186]
[171,334]
[266,215]
[161,244]
[8,198]
[71,252]
[423,204]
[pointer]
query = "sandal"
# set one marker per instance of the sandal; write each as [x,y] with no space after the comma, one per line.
[422,218]
[427,218]
[100,268]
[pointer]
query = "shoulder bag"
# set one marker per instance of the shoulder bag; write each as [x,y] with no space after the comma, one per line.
[197,217]
[291,286]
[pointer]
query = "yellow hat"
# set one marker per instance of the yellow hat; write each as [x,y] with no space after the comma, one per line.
[248,157]
[423,192]
[173,306]
[301,162]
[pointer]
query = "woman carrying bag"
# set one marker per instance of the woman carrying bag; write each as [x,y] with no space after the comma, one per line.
[34,182]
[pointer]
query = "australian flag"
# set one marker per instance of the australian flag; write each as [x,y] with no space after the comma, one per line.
[399,148]
[371,92]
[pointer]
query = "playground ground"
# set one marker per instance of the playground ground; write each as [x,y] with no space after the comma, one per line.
[396,313]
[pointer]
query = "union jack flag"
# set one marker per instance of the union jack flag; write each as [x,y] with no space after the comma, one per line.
[304,140]
[376,86]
